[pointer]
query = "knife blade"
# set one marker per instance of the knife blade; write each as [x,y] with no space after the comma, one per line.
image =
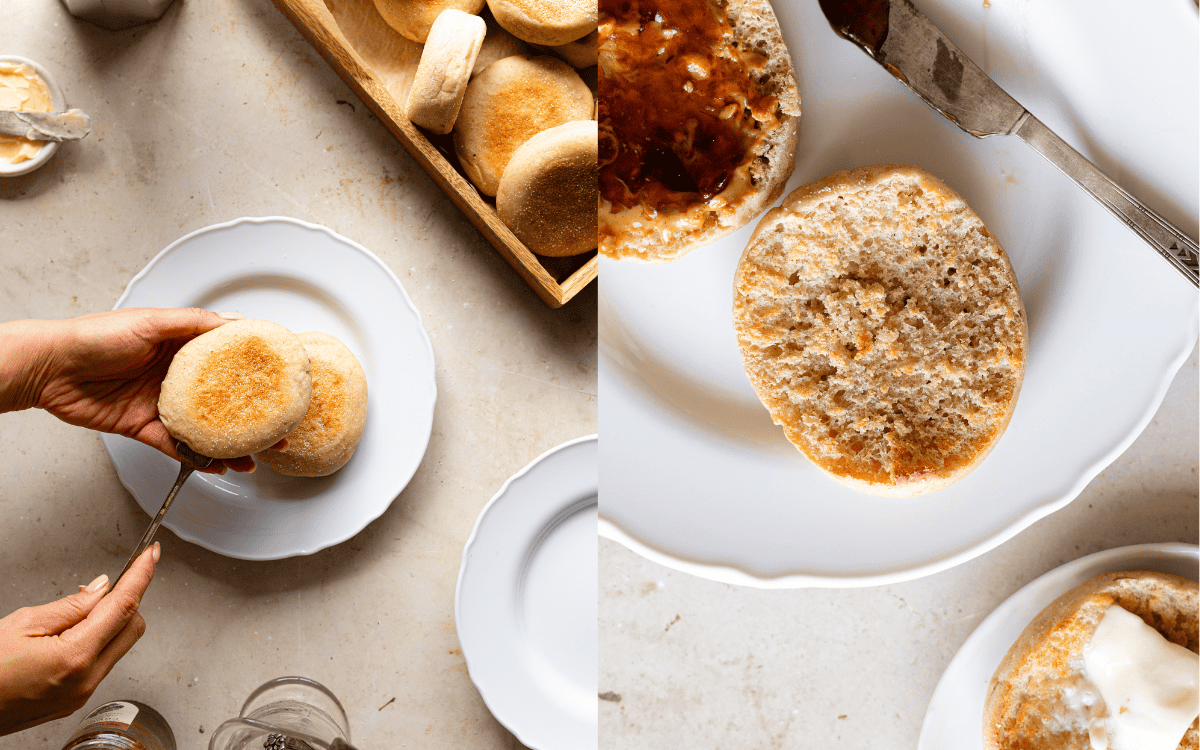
[907,44]
[46,126]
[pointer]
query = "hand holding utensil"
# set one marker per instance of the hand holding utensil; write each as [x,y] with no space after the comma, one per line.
[189,461]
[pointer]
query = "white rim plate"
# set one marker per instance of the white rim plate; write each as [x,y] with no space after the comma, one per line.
[954,719]
[306,278]
[526,603]
[697,477]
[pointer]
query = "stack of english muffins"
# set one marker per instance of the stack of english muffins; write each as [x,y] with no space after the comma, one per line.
[507,86]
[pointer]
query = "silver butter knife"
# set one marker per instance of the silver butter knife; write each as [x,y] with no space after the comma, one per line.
[901,39]
[46,126]
[189,461]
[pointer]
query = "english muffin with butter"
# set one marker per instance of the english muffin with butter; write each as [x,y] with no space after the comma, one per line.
[1109,665]
[508,103]
[547,194]
[414,18]
[237,389]
[698,111]
[325,439]
[881,324]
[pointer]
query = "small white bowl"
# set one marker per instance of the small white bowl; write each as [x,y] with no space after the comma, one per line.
[60,105]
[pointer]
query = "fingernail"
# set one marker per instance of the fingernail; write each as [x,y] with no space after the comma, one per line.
[231,315]
[100,582]
[156,551]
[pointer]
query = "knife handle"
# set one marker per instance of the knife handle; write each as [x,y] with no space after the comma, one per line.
[1173,245]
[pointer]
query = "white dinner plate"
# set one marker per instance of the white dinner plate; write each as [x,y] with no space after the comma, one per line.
[526,603]
[954,719]
[698,478]
[306,278]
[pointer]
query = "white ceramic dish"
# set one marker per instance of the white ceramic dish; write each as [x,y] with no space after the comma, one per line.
[695,474]
[307,278]
[526,603]
[954,719]
[57,99]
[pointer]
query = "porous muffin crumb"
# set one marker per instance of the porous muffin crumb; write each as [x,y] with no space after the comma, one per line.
[881,324]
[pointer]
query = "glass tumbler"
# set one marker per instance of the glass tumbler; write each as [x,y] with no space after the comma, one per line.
[284,713]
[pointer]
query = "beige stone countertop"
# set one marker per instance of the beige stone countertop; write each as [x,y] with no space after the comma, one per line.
[216,111]
[698,664]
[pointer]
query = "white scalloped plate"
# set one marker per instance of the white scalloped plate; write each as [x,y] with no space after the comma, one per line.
[526,603]
[695,474]
[306,278]
[954,719]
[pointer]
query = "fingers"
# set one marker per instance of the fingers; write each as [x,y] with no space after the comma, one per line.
[112,613]
[184,322]
[117,648]
[57,616]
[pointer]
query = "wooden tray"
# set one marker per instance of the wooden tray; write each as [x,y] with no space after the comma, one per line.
[555,280]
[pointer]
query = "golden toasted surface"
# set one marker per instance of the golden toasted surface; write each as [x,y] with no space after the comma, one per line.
[414,18]
[548,22]
[1033,700]
[509,102]
[239,383]
[329,433]
[881,325]
[547,194]
[237,389]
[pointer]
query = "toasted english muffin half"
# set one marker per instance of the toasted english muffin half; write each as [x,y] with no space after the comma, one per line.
[881,324]
[414,18]
[237,389]
[508,103]
[547,194]
[699,112]
[1034,698]
[325,439]
[549,22]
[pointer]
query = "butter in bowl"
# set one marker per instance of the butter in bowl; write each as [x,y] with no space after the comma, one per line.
[28,89]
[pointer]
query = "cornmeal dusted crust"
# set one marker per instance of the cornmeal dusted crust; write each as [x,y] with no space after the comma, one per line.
[326,438]
[237,389]
[881,324]
[1032,701]
[508,103]
[547,194]
[654,234]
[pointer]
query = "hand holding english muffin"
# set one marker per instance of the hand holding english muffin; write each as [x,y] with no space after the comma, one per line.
[241,389]
[103,371]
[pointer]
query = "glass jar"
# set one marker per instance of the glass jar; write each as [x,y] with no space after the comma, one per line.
[122,725]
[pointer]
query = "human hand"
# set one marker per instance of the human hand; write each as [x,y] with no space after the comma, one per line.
[103,371]
[52,657]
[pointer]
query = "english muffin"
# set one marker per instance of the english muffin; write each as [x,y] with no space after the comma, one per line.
[550,22]
[237,389]
[414,18]
[881,324]
[509,102]
[698,111]
[445,67]
[325,439]
[497,44]
[547,194]
[1047,693]
[581,53]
